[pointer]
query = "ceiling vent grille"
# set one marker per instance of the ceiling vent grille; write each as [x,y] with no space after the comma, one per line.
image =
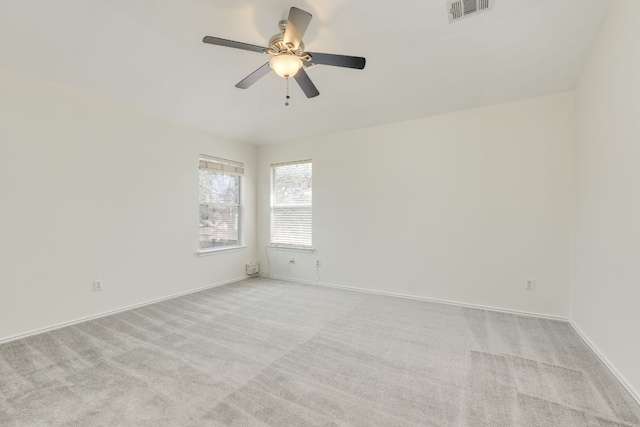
[459,9]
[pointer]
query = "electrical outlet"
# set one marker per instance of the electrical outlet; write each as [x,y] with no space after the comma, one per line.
[530,284]
[292,260]
[317,263]
[97,285]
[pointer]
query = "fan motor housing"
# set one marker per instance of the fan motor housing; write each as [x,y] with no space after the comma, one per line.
[277,45]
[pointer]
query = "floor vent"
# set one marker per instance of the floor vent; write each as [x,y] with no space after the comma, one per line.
[459,9]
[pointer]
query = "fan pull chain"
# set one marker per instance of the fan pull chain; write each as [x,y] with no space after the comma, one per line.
[288,97]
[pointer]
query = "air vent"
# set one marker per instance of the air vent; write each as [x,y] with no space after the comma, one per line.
[459,9]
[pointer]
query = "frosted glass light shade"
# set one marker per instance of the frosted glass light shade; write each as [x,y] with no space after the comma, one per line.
[285,65]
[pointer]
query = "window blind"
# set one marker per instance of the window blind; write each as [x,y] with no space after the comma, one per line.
[217,165]
[291,204]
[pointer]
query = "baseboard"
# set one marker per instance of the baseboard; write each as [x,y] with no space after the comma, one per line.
[413,297]
[606,361]
[119,310]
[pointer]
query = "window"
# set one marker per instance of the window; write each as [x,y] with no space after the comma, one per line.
[220,209]
[291,204]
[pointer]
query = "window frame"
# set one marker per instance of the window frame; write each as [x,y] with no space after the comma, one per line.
[273,207]
[233,169]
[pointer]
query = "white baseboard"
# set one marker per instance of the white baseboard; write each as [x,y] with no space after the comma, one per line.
[119,310]
[606,361]
[440,301]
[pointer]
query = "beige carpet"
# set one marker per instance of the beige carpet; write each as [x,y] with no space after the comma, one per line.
[268,353]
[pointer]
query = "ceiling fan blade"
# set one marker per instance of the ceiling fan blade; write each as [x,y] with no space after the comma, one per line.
[306,84]
[230,43]
[297,24]
[254,77]
[338,60]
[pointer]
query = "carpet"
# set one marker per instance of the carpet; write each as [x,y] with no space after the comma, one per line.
[268,353]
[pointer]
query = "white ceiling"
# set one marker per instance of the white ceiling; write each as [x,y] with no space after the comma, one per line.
[148,54]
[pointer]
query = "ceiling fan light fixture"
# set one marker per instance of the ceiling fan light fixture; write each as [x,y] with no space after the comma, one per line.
[285,65]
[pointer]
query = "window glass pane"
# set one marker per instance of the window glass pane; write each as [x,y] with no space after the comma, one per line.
[219,195]
[292,184]
[219,188]
[218,226]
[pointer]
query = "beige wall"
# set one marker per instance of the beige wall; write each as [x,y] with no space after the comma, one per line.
[606,269]
[462,207]
[92,190]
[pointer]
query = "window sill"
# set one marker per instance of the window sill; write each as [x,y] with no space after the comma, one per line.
[208,252]
[290,249]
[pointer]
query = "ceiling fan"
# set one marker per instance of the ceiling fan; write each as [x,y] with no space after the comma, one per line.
[289,57]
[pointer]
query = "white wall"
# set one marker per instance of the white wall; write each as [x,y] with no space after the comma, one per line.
[90,189]
[461,207]
[606,269]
